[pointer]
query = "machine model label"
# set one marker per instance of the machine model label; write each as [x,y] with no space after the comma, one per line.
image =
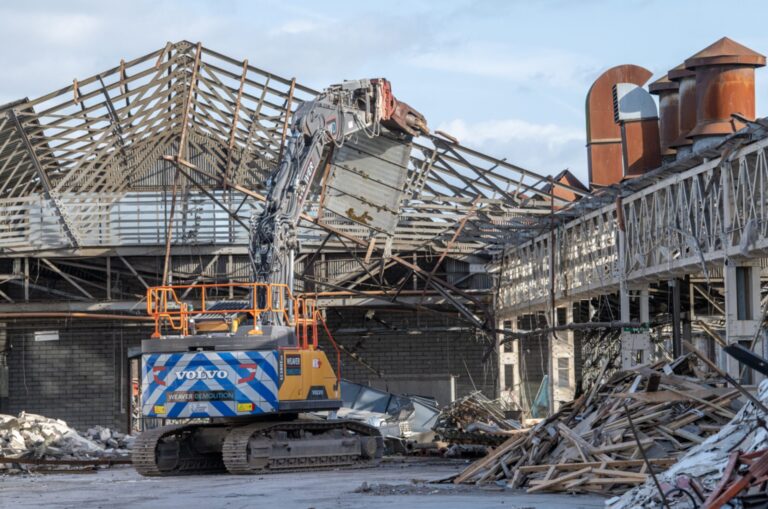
[209,384]
[177,396]
[293,365]
[317,392]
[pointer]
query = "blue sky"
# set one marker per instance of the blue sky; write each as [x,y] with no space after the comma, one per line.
[509,78]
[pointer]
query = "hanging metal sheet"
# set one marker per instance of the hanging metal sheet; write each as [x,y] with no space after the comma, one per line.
[367,180]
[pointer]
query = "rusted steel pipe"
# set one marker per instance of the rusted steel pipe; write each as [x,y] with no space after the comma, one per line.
[686,106]
[669,122]
[76,314]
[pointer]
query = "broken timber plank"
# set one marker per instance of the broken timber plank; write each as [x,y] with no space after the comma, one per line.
[554,482]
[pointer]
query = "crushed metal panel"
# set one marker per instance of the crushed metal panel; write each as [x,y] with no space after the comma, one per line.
[367,181]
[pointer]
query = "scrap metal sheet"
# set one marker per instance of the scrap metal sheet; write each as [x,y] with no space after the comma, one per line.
[367,180]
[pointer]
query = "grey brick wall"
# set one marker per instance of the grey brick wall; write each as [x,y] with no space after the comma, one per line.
[81,378]
[399,354]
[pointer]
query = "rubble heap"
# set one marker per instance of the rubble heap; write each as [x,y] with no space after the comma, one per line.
[474,419]
[589,446]
[31,436]
[730,463]
[111,440]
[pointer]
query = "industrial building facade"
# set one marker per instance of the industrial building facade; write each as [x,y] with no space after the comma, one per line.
[494,277]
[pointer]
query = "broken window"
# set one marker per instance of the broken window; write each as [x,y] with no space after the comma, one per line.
[509,377]
[563,372]
[561,316]
[744,293]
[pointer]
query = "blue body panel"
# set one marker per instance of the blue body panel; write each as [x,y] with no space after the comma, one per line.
[209,384]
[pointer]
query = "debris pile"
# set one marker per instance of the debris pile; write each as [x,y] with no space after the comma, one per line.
[730,464]
[109,439]
[474,420]
[405,421]
[34,439]
[602,355]
[590,446]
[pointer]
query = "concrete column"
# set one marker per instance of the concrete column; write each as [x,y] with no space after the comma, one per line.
[509,367]
[742,308]
[645,316]
[564,362]
[109,277]
[636,346]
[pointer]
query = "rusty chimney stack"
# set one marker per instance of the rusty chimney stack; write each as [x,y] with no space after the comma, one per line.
[605,152]
[725,84]
[669,122]
[686,107]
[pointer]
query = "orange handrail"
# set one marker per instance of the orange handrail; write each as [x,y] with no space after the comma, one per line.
[165,306]
[319,318]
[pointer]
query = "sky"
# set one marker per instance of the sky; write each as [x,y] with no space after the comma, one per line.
[506,77]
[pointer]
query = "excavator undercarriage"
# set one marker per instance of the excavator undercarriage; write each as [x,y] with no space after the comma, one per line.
[256,448]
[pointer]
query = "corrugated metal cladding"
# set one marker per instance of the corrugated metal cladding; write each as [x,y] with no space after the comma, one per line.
[238,268]
[336,269]
[367,180]
[456,272]
[206,156]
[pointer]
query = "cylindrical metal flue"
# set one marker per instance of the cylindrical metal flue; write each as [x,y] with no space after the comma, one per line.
[725,84]
[669,122]
[686,107]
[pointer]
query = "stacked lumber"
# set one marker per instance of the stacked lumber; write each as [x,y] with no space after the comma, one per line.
[589,445]
[474,419]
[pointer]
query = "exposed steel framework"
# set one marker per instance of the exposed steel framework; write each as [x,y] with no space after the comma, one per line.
[83,166]
[168,154]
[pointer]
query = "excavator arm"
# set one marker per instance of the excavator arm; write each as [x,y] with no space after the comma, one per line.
[359,107]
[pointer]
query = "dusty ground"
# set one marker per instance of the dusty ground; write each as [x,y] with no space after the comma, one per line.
[393,485]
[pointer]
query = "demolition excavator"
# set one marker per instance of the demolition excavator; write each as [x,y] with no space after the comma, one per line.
[238,378]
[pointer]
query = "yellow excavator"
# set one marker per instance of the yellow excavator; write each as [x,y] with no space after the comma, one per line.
[235,376]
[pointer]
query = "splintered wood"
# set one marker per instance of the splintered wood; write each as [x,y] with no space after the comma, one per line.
[474,419]
[588,446]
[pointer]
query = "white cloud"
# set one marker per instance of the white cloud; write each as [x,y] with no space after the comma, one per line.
[59,28]
[293,27]
[526,66]
[545,148]
[510,130]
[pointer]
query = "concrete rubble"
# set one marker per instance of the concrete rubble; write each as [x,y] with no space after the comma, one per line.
[31,436]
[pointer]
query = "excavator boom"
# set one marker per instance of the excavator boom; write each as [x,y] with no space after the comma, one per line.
[359,107]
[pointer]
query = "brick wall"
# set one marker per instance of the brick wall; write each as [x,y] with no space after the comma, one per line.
[81,378]
[385,343]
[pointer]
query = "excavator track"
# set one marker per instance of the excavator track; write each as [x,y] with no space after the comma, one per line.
[241,457]
[251,449]
[170,450]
